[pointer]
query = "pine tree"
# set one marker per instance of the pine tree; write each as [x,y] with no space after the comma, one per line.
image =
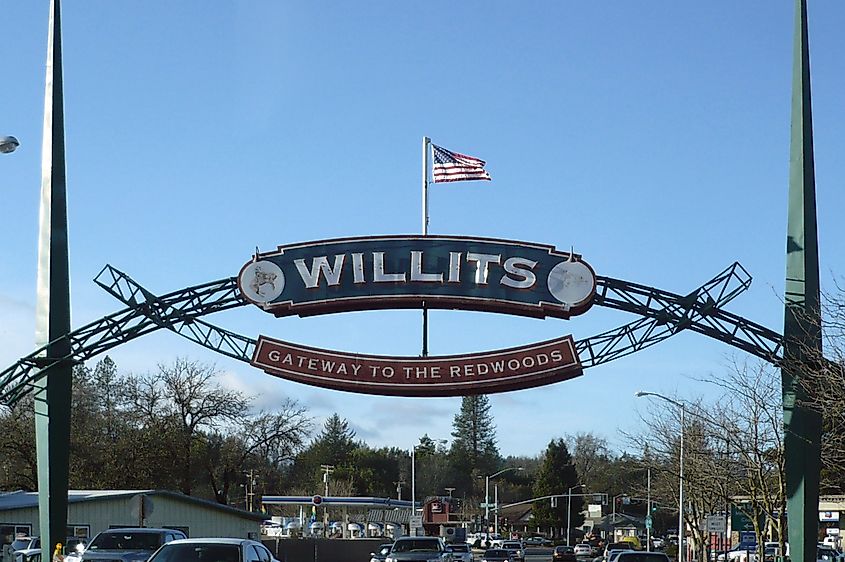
[474,446]
[336,442]
[557,475]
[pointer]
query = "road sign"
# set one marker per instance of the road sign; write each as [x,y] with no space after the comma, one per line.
[490,505]
[415,521]
[715,524]
[648,522]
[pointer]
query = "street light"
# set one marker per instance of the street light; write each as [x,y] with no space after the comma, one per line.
[569,509]
[681,532]
[487,494]
[8,144]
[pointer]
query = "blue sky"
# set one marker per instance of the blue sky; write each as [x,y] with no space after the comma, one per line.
[652,136]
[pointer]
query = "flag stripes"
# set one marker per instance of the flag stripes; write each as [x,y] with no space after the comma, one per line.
[452,166]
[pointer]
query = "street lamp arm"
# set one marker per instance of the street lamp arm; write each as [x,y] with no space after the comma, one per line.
[505,470]
[641,393]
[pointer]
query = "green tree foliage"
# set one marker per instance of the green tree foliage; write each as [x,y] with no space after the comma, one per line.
[175,428]
[474,451]
[434,471]
[335,445]
[556,476]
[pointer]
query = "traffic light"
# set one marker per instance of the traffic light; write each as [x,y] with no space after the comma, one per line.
[554,502]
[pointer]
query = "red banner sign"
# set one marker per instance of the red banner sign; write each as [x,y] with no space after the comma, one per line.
[449,375]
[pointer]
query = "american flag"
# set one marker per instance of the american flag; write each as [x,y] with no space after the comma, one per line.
[451,166]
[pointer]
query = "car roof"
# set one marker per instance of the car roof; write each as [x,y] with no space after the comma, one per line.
[214,540]
[140,530]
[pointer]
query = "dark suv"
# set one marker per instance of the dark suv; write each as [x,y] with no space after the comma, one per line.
[411,549]
[128,545]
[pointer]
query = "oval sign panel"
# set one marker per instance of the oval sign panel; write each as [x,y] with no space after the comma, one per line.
[447,272]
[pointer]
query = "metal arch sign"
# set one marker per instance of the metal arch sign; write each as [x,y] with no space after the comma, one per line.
[481,274]
[447,272]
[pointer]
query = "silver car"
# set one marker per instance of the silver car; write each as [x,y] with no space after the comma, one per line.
[461,552]
[217,549]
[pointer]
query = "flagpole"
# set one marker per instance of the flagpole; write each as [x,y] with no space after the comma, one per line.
[425,151]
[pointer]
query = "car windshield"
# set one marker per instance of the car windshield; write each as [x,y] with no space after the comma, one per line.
[198,552]
[384,549]
[126,541]
[417,546]
[511,545]
[496,554]
[459,547]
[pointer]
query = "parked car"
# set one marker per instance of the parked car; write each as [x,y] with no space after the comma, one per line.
[615,546]
[583,549]
[129,544]
[516,549]
[417,548]
[639,556]
[216,549]
[497,555]
[381,552]
[737,553]
[32,551]
[563,554]
[613,555]
[633,542]
[460,552]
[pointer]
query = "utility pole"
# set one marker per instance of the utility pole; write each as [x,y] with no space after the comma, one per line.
[250,488]
[648,516]
[327,469]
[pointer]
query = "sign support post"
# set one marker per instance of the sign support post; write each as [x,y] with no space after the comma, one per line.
[52,316]
[425,152]
[802,316]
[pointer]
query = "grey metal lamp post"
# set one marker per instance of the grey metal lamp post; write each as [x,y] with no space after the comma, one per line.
[569,509]
[487,492]
[680,405]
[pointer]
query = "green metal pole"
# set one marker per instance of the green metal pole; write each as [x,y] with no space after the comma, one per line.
[802,316]
[53,391]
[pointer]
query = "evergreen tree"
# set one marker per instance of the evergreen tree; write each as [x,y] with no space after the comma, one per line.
[335,445]
[474,446]
[557,475]
[336,441]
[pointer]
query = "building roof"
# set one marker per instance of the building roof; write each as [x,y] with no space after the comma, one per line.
[621,521]
[22,500]
[366,501]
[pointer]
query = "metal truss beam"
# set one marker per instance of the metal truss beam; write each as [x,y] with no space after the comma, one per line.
[145,313]
[663,314]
